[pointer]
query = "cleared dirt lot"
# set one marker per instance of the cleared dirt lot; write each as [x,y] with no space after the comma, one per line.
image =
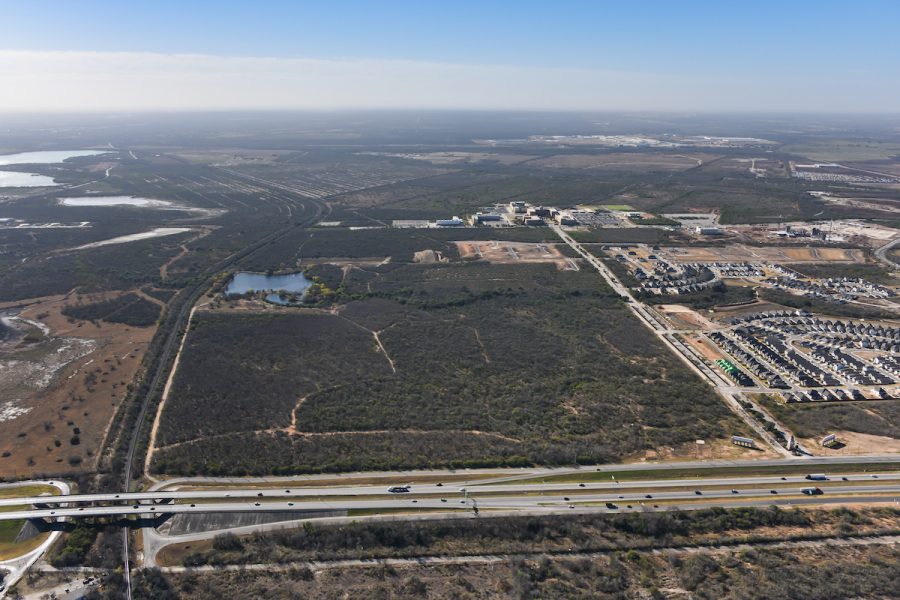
[741,253]
[515,252]
[683,317]
[61,425]
[856,443]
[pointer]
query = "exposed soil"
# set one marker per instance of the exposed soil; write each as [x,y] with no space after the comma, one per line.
[62,422]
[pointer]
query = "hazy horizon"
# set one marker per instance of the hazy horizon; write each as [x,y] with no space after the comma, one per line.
[574,56]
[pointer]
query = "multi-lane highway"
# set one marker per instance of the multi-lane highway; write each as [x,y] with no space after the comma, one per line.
[608,490]
[486,494]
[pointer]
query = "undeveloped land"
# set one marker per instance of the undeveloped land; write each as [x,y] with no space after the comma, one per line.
[61,425]
[460,364]
[784,254]
[514,252]
[625,161]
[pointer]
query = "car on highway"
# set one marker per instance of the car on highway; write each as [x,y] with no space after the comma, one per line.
[773,491]
[611,506]
[648,496]
[581,485]
[812,491]
[734,491]
[399,489]
[698,492]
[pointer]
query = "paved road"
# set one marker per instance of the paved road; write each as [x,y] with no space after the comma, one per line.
[449,491]
[550,501]
[19,565]
[882,253]
[666,334]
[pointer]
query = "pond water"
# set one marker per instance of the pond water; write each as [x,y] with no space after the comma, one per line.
[17,179]
[114,201]
[21,179]
[135,237]
[48,157]
[291,283]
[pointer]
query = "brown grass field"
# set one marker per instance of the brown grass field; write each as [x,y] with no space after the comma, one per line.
[83,395]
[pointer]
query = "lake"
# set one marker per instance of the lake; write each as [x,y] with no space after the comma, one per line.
[49,157]
[17,179]
[292,283]
[114,201]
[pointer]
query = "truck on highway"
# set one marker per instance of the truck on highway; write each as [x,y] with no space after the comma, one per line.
[817,477]
[812,491]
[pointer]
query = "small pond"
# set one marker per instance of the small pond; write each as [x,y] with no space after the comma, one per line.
[288,283]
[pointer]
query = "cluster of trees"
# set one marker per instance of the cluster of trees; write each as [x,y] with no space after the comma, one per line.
[508,535]
[809,420]
[825,307]
[247,372]
[870,272]
[112,267]
[129,309]
[718,294]
[807,574]
[797,574]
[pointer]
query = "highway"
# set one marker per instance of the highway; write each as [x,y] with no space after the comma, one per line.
[611,489]
[549,503]
[493,493]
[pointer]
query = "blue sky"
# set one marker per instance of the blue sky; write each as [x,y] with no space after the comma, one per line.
[718,43]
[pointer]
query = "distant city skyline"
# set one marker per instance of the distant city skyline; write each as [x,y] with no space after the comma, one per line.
[704,56]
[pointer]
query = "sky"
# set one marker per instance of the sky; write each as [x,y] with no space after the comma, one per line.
[815,56]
